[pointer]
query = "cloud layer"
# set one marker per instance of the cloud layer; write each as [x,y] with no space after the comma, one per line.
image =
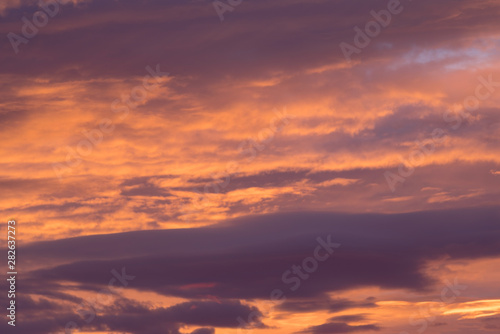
[206,157]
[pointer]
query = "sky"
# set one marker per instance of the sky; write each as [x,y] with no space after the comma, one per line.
[252,167]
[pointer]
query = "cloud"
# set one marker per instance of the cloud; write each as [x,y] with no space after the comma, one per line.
[136,318]
[203,331]
[339,327]
[331,305]
[227,261]
[349,318]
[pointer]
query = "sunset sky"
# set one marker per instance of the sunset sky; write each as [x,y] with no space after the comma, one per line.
[195,152]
